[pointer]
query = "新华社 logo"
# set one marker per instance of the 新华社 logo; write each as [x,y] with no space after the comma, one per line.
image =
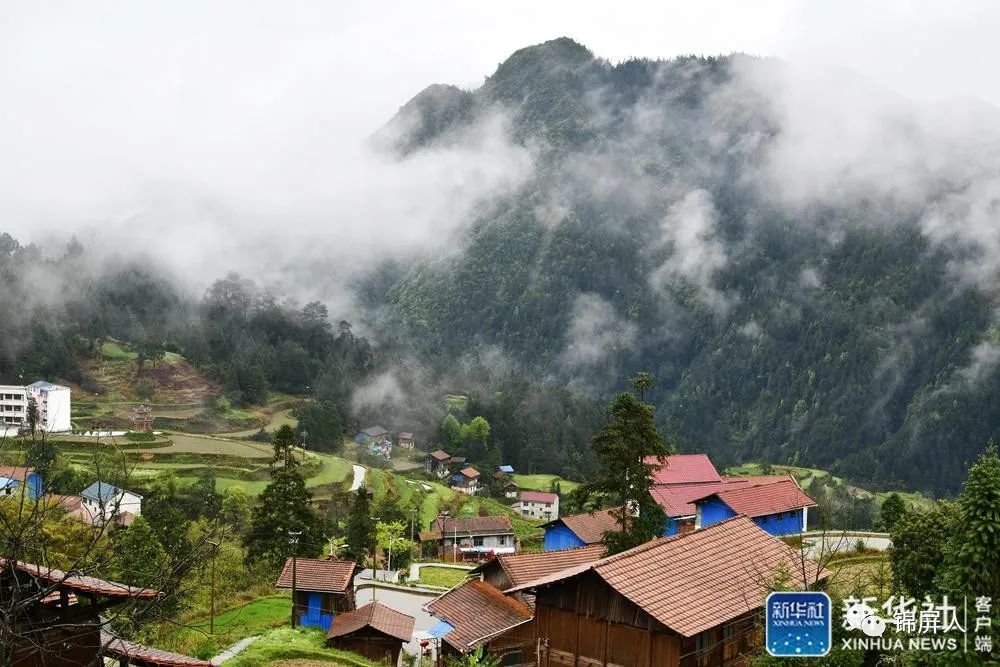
[798,624]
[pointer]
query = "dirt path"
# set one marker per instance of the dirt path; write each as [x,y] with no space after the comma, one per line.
[278,420]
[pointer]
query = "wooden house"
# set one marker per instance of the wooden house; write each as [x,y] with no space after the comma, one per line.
[466,481]
[780,508]
[465,538]
[577,530]
[405,440]
[322,588]
[58,614]
[437,462]
[691,600]
[373,630]
[475,614]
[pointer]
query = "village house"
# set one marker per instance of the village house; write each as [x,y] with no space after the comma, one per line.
[780,508]
[108,501]
[511,489]
[691,600]
[538,505]
[373,630]
[464,538]
[507,571]
[578,530]
[58,614]
[466,481]
[437,463]
[475,615]
[322,588]
[14,477]
[52,401]
[372,435]
[681,479]
[405,440]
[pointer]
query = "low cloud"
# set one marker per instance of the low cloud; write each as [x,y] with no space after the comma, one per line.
[596,334]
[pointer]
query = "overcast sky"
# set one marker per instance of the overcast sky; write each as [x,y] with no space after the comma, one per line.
[101,98]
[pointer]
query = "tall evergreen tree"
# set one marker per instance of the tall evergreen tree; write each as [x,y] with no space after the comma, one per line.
[893,509]
[629,449]
[283,510]
[360,531]
[142,559]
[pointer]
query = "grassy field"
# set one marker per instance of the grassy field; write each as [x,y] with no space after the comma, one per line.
[290,647]
[805,475]
[543,482]
[442,577]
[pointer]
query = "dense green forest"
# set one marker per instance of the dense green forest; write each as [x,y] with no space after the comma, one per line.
[833,335]
[842,332]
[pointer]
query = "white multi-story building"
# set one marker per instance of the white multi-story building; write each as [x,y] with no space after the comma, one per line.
[52,401]
[538,505]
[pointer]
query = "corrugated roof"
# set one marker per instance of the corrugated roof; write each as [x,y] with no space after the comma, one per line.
[539,497]
[684,469]
[696,581]
[589,527]
[441,455]
[478,612]
[124,650]
[103,492]
[506,469]
[80,583]
[764,499]
[373,431]
[322,576]
[384,619]
[405,435]
[470,472]
[522,568]
[474,524]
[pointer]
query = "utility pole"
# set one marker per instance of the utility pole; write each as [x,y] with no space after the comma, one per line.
[413,514]
[375,555]
[211,615]
[293,538]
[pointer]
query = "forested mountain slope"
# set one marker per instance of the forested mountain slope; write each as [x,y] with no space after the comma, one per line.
[809,276]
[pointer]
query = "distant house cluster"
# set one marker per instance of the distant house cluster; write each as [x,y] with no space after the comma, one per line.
[379,441]
[98,504]
[51,400]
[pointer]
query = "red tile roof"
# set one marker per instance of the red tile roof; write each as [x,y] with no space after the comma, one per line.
[322,576]
[470,472]
[20,473]
[678,500]
[589,527]
[125,651]
[539,497]
[80,583]
[522,568]
[483,525]
[478,612]
[441,455]
[684,469]
[374,615]
[696,581]
[754,501]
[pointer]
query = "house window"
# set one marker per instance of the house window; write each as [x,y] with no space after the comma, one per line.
[512,658]
[477,541]
[702,642]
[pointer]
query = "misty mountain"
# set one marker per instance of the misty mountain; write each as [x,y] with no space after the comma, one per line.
[808,270]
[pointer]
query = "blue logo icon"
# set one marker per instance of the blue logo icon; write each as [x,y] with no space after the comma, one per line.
[798,624]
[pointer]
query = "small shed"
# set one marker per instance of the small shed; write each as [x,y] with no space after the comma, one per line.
[374,631]
[323,588]
[405,439]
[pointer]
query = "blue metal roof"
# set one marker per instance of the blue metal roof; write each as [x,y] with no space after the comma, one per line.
[507,469]
[42,384]
[440,630]
[101,492]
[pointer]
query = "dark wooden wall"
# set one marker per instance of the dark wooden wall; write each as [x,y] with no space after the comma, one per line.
[370,643]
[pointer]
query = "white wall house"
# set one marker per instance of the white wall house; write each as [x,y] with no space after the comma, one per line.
[538,505]
[52,400]
[106,500]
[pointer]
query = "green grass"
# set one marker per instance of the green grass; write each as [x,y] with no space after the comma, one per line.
[231,625]
[806,475]
[442,577]
[115,351]
[300,644]
[542,482]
